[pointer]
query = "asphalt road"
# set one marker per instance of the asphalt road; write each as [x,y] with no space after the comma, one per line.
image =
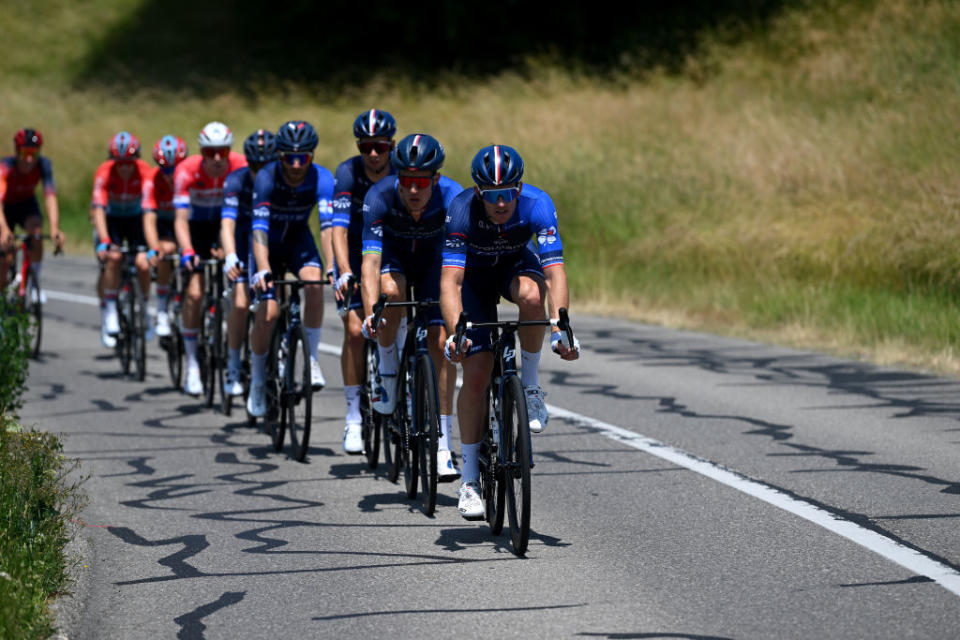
[687,486]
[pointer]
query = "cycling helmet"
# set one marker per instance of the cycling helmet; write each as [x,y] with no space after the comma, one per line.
[418,152]
[260,147]
[168,151]
[495,165]
[28,138]
[215,134]
[373,123]
[297,135]
[124,146]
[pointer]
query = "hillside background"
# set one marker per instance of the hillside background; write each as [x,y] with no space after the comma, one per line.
[783,170]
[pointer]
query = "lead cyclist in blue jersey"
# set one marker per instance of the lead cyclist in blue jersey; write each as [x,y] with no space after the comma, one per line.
[488,254]
[236,218]
[403,221]
[374,130]
[284,194]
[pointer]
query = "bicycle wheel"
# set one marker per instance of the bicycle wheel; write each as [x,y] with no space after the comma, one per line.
[124,340]
[245,354]
[226,401]
[404,456]
[174,347]
[492,486]
[276,419]
[34,310]
[209,337]
[515,453]
[428,431]
[138,337]
[371,419]
[298,393]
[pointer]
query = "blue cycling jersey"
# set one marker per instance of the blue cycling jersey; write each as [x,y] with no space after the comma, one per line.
[351,185]
[284,211]
[238,197]
[472,240]
[386,220]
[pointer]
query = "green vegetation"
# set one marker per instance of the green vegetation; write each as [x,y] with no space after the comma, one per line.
[783,170]
[37,499]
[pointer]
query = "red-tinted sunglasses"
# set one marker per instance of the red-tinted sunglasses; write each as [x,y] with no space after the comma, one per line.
[302,158]
[420,182]
[28,152]
[380,146]
[212,152]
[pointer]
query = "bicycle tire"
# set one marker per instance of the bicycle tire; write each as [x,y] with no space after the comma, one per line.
[275,418]
[34,309]
[299,394]
[124,342]
[492,487]
[371,419]
[515,452]
[174,348]
[139,335]
[226,400]
[428,431]
[208,363]
[407,440]
[245,367]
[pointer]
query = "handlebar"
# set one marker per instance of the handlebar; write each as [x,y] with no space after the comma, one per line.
[463,324]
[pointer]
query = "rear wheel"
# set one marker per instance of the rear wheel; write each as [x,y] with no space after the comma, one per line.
[275,418]
[428,431]
[407,447]
[298,394]
[138,314]
[124,338]
[34,310]
[174,347]
[515,438]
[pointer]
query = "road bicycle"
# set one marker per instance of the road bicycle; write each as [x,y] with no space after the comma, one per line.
[372,421]
[26,287]
[413,431]
[506,456]
[211,341]
[288,377]
[131,346]
[227,400]
[173,344]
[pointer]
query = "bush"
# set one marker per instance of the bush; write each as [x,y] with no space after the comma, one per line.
[14,353]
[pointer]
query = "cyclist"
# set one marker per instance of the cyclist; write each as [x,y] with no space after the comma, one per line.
[197,199]
[374,131]
[284,194]
[488,254]
[158,215]
[19,175]
[235,220]
[116,209]
[403,221]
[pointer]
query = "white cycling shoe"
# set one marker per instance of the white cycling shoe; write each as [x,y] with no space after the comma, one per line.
[536,410]
[316,375]
[257,400]
[387,392]
[163,324]
[193,385]
[353,438]
[446,470]
[470,505]
[107,340]
[231,383]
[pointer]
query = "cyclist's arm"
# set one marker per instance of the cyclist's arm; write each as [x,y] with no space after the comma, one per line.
[181,229]
[341,249]
[5,234]
[98,216]
[53,213]
[261,251]
[370,280]
[150,229]
[451,304]
[326,247]
[228,240]
[558,295]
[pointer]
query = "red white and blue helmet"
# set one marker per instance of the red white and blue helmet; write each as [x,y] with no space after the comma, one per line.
[169,151]
[27,138]
[496,165]
[374,123]
[296,136]
[260,147]
[418,152]
[215,134]
[124,146]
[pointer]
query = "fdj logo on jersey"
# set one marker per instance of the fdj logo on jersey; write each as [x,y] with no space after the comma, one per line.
[547,236]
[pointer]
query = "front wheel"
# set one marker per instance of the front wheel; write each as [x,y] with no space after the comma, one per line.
[515,454]
[276,418]
[138,314]
[173,344]
[34,310]
[407,446]
[428,431]
[124,337]
[298,394]
[371,419]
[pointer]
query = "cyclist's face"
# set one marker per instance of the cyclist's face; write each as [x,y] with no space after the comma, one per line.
[499,212]
[415,188]
[27,158]
[295,166]
[125,168]
[375,152]
[216,161]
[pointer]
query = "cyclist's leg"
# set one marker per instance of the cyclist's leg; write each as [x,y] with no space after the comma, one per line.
[352,364]
[110,278]
[528,292]
[308,265]
[263,321]
[237,316]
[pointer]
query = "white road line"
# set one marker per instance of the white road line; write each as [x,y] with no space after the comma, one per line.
[900,554]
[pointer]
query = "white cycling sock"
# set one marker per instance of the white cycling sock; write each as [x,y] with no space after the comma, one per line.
[163,293]
[389,359]
[190,347]
[352,392]
[313,339]
[530,363]
[110,300]
[446,422]
[258,368]
[470,471]
[234,360]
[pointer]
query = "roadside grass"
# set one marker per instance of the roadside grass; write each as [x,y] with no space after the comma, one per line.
[38,496]
[798,186]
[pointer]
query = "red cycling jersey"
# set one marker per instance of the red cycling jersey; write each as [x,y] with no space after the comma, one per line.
[16,187]
[159,194]
[199,192]
[121,198]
